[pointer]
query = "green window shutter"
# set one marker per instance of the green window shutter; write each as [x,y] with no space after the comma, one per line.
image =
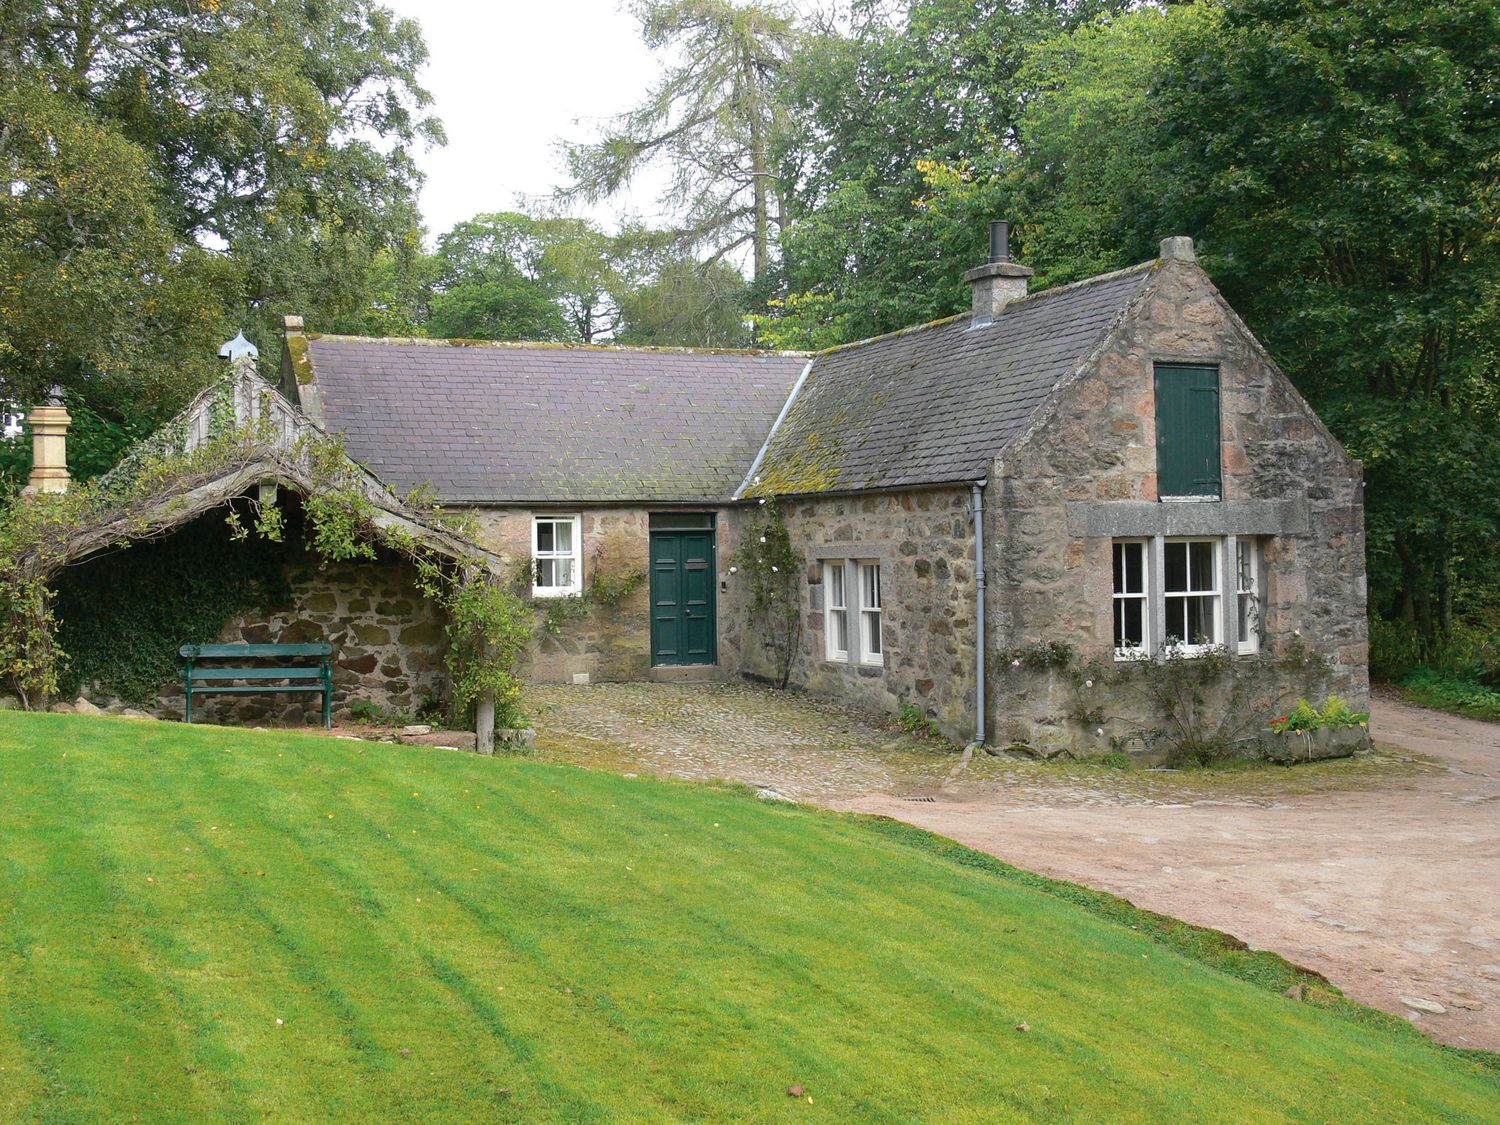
[1187,431]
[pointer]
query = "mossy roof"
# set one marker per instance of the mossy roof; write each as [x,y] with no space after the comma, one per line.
[485,423]
[936,404]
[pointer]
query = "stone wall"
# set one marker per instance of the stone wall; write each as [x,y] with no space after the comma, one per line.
[925,544]
[604,642]
[389,643]
[1087,473]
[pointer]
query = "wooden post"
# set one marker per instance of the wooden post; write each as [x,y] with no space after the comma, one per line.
[484,725]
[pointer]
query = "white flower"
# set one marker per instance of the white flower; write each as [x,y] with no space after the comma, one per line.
[1088,683]
[734,570]
[1296,632]
[775,570]
[279,1023]
[1015,663]
[762,538]
[757,478]
[1099,730]
[762,500]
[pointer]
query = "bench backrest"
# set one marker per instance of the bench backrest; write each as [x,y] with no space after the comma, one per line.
[199,652]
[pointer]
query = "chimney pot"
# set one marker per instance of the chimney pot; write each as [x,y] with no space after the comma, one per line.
[999,241]
[49,446]
[999,281]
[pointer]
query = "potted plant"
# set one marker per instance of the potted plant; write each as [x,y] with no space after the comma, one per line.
[1310,734]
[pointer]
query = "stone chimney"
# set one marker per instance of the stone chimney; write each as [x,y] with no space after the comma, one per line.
[999,281]
[1178,248]
[49,446]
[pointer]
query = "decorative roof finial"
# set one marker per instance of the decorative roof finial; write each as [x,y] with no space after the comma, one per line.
[233,349]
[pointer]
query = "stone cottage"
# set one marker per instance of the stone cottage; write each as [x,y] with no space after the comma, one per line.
[1000,516]
[1103,473]
[1113,469]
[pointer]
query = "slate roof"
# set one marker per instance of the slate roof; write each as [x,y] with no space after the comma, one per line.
[496,423]
[936,404]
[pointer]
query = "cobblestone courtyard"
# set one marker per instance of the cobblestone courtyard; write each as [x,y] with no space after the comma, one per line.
[1381,872]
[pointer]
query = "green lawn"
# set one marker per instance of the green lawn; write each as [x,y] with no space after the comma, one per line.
[201,924]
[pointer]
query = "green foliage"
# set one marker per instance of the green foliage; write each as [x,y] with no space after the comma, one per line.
[1304,717]
[914,721]
[772,567]
[681,303]
[121,618]
[280,134]
[1041,656]
[489,628]
[1447,692]
[560,612]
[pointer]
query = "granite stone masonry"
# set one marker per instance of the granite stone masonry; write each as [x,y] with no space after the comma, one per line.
[923,541]
[588,637]
[389,643]
[1085,474]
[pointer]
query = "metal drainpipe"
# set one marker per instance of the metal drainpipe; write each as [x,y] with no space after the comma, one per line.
[979,584]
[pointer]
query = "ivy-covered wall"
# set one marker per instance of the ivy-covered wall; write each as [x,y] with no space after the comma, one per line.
[123,615]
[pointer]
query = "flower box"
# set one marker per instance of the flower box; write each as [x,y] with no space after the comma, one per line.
[1288,747]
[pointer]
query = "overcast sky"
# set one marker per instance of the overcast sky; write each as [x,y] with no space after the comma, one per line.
[511,77]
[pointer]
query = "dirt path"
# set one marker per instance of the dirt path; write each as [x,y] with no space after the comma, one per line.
[1382,873]
[1392,892]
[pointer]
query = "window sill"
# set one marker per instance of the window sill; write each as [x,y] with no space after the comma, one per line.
[1190,499]
[555,592]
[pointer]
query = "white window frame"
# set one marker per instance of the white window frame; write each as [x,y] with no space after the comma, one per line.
[871,610]
[1247,586]
[1143,596]
[575,555]
[1186,645]
[834,575]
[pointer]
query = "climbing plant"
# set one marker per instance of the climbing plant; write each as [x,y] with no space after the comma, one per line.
[121,621]
[177,473]
[771,567]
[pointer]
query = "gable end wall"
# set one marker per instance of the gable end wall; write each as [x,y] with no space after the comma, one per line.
[1086,473]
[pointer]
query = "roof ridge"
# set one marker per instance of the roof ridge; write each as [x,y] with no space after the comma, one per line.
[1112,275]
[549,345]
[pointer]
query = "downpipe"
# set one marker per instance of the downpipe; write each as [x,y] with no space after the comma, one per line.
[979,641]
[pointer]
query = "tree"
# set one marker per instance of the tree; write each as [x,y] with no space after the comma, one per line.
[716,116]
[685,303]
[904,149]
[497,281]
[1340,163]
[172,170]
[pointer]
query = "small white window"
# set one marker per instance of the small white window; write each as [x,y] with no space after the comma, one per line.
[1247,593]
[836,610]
[1131,598]
[870,650]
[557,556]
[1193,617]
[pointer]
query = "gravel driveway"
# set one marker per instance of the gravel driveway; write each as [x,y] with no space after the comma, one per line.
[1382,873]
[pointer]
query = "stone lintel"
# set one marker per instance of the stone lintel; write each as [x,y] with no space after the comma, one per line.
[1130,519]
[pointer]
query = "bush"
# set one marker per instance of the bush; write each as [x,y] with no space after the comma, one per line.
[1432,688]
[913,720]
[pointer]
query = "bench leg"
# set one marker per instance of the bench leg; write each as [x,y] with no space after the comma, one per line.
[187,690]
[327,698]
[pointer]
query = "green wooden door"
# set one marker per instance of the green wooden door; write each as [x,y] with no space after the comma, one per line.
[1187,431]
[684,628]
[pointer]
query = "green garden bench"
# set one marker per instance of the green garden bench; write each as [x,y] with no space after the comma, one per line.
[304,677]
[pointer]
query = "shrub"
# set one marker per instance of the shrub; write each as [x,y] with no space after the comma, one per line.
[1432,688]
[913,720]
